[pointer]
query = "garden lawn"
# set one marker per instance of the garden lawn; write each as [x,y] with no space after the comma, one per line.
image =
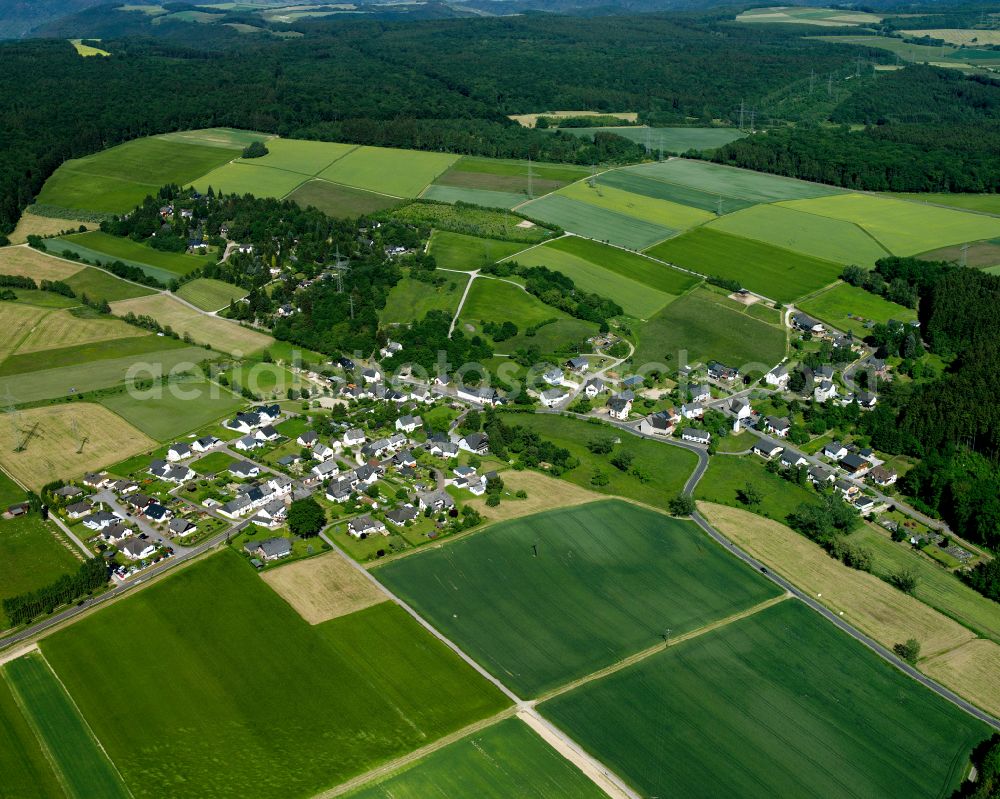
[213,463]
[402,173]
[502,761]
[460,251]
[594,222]
[847,307]
[340,201]
[782,275]
[209,294]
[174,408]
[25,768]
[410,299]
[905,228]
[807,233]
[703,327]
[651,209]
[627,264]
[778,704]
[316,706]
[607,579]
[666,468]
[30,554]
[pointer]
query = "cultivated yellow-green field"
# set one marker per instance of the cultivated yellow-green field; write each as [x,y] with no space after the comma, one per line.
[660,212]
[972,670]
[31,263]
[17,321]
[64,441]
[967,36]
[544,493]
[324,587]
[31,224]
[204,329]
[63,329]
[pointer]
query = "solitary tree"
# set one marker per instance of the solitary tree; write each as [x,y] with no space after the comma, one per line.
[305,517]
[910,651]
[682,505]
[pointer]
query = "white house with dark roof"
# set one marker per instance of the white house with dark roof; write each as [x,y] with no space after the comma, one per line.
[696,436]
[408,423]
[364,526]
[205,443]
[354,436]
[244,469]
[138,548]
[619,408]
[178,452]
[778,376]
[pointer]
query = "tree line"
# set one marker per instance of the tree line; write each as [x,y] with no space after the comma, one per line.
[23,608]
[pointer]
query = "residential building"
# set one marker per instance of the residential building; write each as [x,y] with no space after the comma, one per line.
[883,477]
[578,364]
[477,443]
[435,500]
[696,436]
[408,424]
[834,450]
[244,469]
[619,408]
[766,448]
[270,549]
[552,397]
[661,423]
[777,425]
[402,515]
[824,391]
[777,377]
[364,526]
[593,387]
[178,452]
[138,548]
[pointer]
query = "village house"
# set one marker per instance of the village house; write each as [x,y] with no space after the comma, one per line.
[114,534]
[435,500]
[476,443]
[718,371]
[883,477]
[661,423]
[272,515]
[138,548]
[806,323]
[834,450]
[777,377]
[100,519]
[156,512]
[400,516]
[593,387]
[701,394]
[766,448]
[371,375]
[205,443]
[79,509]
[696,436]
[867,400]
[739,408]
[854,464]
[244,470]
[178,452]
[96,480]
[390,349]
[553,376]
[820,474]
[322,452]
[267,433]
[481,396]
[552,397]
[619,408]
[777,425]
[408,424]
[404,459]
[248,443]
[170,472]
[325,469]
[578,364]
[354,436]
[825,391]
[442,448]
[364,526]
[68,492]
[270,549]
[692,411]
[790,459]
[181,527]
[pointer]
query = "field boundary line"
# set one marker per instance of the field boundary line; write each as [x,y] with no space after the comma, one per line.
[358,188]
[868,233]
[388,768]
[640,656]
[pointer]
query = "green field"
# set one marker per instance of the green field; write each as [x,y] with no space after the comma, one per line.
[905,50]
[637,183]
[64,246]
[805,15]
[209,294]
[284,708]
[848,308]
[30,554]
[668,140]
[123,249]
[79,354]
[778,704]
[731,182]
[297,155]
[401,173]
[492,300]
[649,209]
[905,228]
[25,768]
[482,222]
[118,179]
[411,299]
[80,377]
[503,761]
[666,468]
[10,492]
[780,274]
[213,462]
[245,177]
[637,299]
[459,251]
[340,201]
[505,175]
[986,203]
[936,586]
[627,264]
[707,327]
[98,284]
[593,222]
[70,745]
[483,197]
[727,475]
[608,578]
[227,138]
[818,236]
[180,408]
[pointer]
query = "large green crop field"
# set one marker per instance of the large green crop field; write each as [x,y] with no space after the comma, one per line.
[125,249]
[502,761]
[301,156]
[638,183]
[608,579]
[483,222]
[665,469]
[68,247]
[732,182]
[411,299]
[594,222]
[848,308]
[986,203]
[30,554]
[118,179]
[244,177]
[226,138]
[209,294]
[402,173]
[780,274]
[778,704]
[707,327]
[668,140]
[627,264]
[80,354]
[650,209]
[340,201]
[65,737]
[180,408]
[277,707]
[99,284]
[483,197]
[637,299]
[818,236]
[25,768]
[459,251]
[905,228]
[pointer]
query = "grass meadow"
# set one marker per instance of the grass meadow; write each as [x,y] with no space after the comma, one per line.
[209,294]
[26,771]
[225,138]
[118,179]
[668,140]
[728,475]
[124,249]
[84,768]
[62,328]
[31,263]
[807,233]
[183,407]
[594,222]
[848,308]
[505,760]
[985,203]
[30,554]
[482,222]
[99,284]
[508,175]
[483,197]
[980,253]
[608,579]
[245,177]
[778,704]
[68,248]
[627,264]
[81,354]
[780,274]
[297,155]
[905,228]
[707,326]
[401,173]
[461,251]
[411,299]
[650,209]
[314,706]
[492,300]
[340,201]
